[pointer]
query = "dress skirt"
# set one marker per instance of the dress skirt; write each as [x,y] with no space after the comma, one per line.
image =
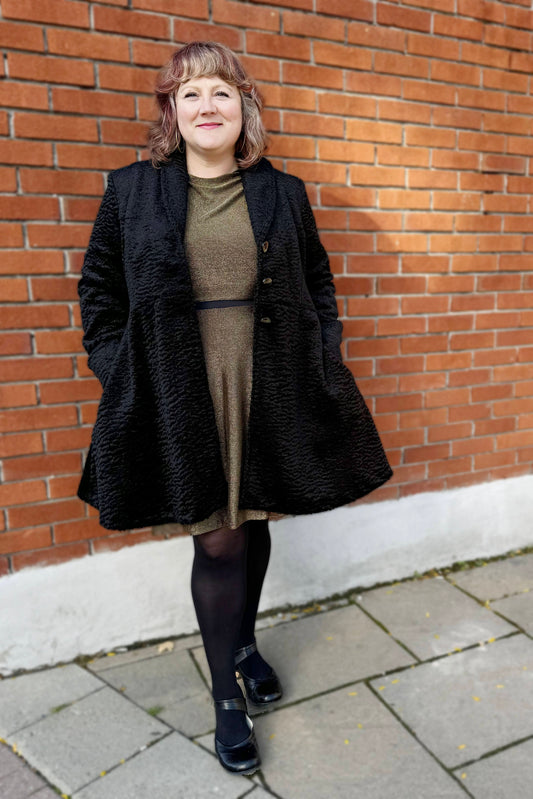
[227,339]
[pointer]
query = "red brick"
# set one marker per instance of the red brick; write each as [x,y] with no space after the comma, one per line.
[48,68]
[97,157]
[412,112]
[115,132]
[127,79]
[87,45]
[184,8]
[399,198]
[131,23]
[403,17]
[55,127]
[54,181]
[501,79]
[292,147]
[376,220]
[20,152]
[287,97]
[352,9]
[425,263]
[93,103]
[342,56]
[475,263]
[346,196]
[312,76]
[395,64]
[406,156]
[314,124]
[17,207]
[457,27]
[269,44]
[8,179]
[55,12]
[231,13]
[422,91]
[317,173]
[352,152]
[408,242]
[313,25]
[188,31]
[11,235]
[365,83]
[346,105]
[21,37]
[418,44]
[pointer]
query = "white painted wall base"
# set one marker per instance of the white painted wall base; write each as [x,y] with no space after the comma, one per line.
[52,614]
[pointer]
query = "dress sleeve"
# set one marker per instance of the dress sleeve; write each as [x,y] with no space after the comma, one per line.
[319,281]
[102,288]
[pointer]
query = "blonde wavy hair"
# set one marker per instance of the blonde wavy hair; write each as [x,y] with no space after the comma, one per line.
[206,59]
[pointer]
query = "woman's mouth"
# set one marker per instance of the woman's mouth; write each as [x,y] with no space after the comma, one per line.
[210,125]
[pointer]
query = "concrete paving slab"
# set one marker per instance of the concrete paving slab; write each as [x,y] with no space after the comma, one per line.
[508,773]
[431,617]
[21,784]
[469,703]
[111,661]
[259,793]
[498,578]
[518,608]
[72,747]
[171,686]
[9,761]
[172,768]
[346,745]
[44,793]
[322,652]
[29,697]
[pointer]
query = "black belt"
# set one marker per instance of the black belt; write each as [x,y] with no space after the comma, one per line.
[220,303]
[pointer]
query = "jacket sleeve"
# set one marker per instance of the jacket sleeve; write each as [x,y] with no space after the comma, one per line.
[319,281]
[102,288]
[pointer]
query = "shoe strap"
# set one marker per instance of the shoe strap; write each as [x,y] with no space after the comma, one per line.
[231,704]
[244,651]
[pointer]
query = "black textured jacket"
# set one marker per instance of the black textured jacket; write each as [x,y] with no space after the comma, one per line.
[154,456]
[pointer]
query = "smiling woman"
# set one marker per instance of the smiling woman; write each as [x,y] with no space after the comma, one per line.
[210,318]
[209,118]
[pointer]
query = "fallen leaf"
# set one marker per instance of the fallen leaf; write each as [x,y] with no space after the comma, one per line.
[166,646]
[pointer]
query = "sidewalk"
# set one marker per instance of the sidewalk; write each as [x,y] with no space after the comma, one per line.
[422,689]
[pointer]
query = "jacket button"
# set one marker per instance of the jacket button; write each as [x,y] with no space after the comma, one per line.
[265,246]
[267,280]
[266,319]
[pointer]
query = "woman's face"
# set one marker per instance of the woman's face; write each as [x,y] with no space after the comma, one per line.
[209,117]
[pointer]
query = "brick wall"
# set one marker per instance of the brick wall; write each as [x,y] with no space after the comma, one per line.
[411,124]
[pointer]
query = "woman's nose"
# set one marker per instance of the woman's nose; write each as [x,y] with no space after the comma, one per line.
[207,104]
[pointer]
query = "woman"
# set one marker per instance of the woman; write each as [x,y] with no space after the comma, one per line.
[205,270]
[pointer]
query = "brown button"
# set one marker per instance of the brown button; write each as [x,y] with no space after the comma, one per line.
[266,319]
[265,246]
[267,280]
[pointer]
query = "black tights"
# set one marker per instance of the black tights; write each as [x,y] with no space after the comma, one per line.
[227,576]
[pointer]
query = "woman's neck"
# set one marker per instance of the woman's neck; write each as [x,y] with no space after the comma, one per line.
[202,167]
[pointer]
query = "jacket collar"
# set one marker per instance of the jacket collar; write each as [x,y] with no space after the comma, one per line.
[259,191]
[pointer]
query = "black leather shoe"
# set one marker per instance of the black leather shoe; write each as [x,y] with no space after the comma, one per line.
[261,691]
[242,757]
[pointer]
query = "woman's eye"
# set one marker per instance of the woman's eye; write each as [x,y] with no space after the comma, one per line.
[223,93]
[190,94]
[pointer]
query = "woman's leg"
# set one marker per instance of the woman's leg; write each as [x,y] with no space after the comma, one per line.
[258,556]
[218,587]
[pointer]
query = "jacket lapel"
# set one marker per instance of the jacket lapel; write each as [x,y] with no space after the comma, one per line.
[260,193]
[174,188]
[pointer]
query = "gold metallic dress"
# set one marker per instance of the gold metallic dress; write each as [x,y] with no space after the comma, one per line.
[222,257]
